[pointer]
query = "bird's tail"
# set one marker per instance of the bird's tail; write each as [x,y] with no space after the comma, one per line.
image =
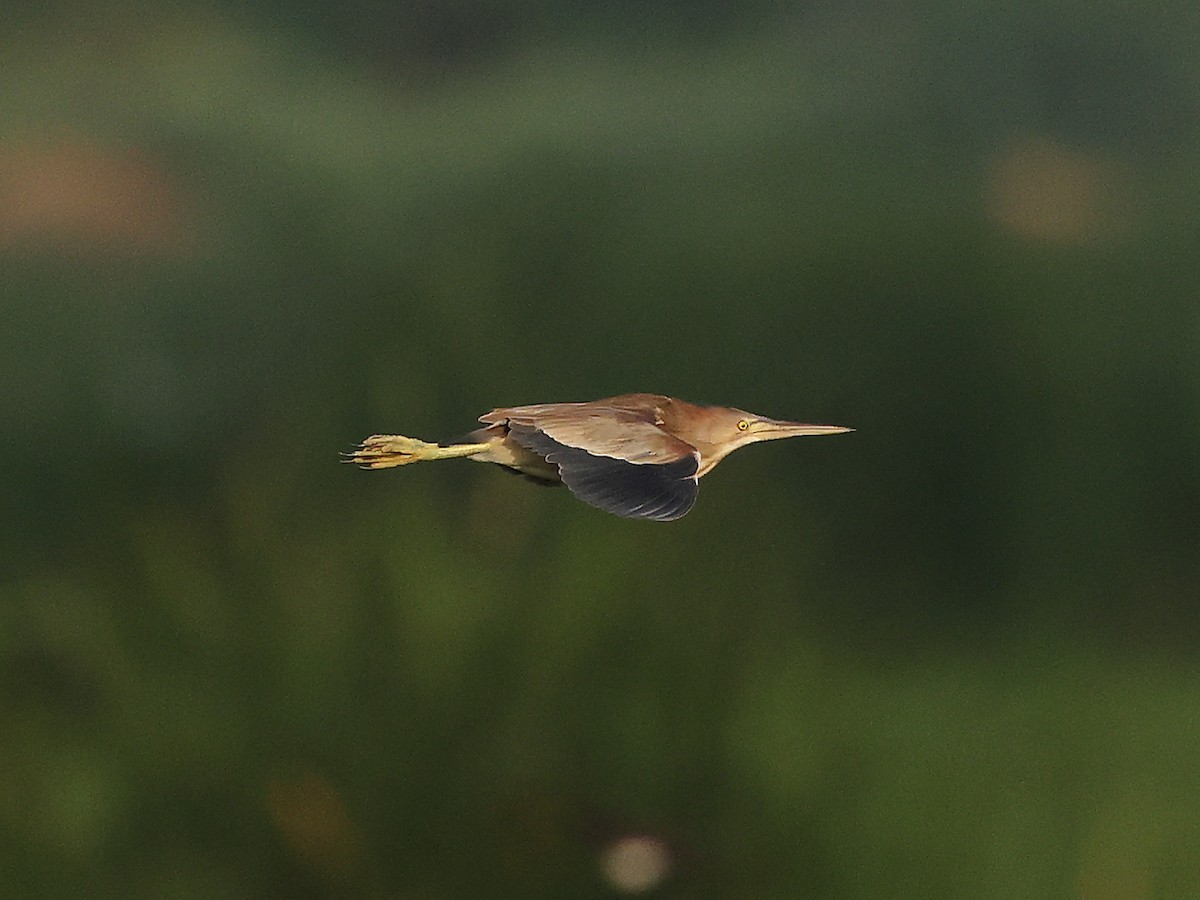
[383,451]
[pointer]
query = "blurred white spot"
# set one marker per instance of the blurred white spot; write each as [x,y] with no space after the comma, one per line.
[77,193]
[1048,192]
[635,864]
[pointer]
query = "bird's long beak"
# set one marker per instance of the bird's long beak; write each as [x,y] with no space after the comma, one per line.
[772,429]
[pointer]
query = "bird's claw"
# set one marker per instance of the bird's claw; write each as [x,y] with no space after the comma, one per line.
[381,451]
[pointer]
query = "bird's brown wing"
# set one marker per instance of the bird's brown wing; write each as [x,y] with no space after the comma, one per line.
[618,460]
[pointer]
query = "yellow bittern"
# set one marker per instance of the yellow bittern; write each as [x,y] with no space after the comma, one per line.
[638,455]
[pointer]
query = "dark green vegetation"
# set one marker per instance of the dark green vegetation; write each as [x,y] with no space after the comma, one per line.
[951,655]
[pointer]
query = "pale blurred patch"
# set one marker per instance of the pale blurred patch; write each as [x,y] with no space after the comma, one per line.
[315,824]
[73,194]
[636,863]
[1119,853]
[1044,191]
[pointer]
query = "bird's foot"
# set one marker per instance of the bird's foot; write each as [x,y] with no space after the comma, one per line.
[382,451]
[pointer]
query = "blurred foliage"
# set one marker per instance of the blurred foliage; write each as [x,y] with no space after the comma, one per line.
[951,655]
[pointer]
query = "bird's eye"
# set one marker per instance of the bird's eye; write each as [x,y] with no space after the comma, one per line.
[743,425]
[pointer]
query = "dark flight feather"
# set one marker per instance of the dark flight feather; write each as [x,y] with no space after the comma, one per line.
[659,491]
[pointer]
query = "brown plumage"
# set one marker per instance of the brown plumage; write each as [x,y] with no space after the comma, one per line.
[637,455]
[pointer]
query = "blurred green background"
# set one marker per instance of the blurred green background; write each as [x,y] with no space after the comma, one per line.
[952,655]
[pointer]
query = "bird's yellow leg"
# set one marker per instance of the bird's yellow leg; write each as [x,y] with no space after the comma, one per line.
[382,451]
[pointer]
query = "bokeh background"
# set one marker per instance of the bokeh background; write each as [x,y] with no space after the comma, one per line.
[952,655]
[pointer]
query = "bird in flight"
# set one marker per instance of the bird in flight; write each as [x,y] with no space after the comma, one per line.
[640,456]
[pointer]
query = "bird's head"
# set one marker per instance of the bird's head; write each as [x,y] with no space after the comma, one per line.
[717,431]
